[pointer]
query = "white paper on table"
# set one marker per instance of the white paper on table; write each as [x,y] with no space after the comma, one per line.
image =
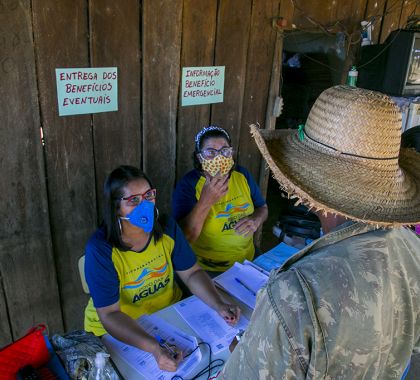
[207,324]
[143,362]
[247,274]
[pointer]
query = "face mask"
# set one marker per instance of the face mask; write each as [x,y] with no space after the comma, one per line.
[219,164]
[143,216]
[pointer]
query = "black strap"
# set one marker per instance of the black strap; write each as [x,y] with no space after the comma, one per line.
[347,154]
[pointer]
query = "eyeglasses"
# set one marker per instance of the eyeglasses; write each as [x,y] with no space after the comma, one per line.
[210,153]
[135,199]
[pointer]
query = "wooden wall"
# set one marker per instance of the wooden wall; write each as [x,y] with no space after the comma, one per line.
[345,15]
[51,194]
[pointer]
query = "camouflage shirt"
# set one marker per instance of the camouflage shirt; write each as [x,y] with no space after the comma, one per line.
[345,307]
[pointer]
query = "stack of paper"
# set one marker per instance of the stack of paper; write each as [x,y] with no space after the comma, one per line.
[275,257]
[143,362]
[243,282]
[207,324]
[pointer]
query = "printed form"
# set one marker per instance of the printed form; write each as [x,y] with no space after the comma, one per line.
[143,362]
[243,282]
[207,324]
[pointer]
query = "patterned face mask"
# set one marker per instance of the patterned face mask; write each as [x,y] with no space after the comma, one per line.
[219,164]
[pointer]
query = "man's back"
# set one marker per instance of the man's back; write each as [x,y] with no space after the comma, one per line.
[347,307]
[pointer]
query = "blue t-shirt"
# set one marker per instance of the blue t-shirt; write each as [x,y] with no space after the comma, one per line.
[142,282]
[219,246]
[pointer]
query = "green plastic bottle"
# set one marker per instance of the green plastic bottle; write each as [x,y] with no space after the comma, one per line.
[352,76]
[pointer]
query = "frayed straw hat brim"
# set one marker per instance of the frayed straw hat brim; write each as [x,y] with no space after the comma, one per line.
[326,180]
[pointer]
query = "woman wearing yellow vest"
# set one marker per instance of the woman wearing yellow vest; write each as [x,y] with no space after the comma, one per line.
[218,204]
[130,263]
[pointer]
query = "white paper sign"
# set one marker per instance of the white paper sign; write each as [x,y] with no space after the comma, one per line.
[202,85]
[87,90]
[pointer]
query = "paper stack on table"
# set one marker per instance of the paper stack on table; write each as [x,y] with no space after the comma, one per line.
[243,282]
[143,362]
[207,324]
[274,258]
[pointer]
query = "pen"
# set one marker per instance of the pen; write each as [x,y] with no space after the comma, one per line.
[165,345]
[245,286]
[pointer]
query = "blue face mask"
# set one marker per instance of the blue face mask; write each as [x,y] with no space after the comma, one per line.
[143,216]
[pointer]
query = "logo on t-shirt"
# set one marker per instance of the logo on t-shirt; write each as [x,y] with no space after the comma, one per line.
[145,275]
[231,209]
[150,281]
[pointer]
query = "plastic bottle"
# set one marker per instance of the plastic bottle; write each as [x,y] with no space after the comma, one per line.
[100,372]
[352,76]
[366,32]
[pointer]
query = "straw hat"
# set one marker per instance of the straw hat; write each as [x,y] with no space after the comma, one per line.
[347,159]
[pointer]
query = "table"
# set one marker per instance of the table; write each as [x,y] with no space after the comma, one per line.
[170,315]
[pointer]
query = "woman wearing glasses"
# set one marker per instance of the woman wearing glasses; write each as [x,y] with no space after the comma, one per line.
[218,204]
[130,262]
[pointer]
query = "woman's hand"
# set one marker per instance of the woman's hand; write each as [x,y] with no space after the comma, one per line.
[230,313]
[247,226]
[214,188]
[165,359]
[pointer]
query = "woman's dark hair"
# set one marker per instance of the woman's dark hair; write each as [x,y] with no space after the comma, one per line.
[113,192]
[411,138]
[212,131]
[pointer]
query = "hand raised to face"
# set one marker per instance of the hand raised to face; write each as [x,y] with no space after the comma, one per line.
[215,188]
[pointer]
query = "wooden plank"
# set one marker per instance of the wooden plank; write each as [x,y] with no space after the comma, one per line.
[198,39]
[391,19]
[259,81]
[309,14]
[26,258]
[375,10]
[337,15]
[258,78]
[233,27]
[287,11]
[5,326]
[161,76]
[274,92]
[408,9]
[115,42]
[350,14]
[61,42]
